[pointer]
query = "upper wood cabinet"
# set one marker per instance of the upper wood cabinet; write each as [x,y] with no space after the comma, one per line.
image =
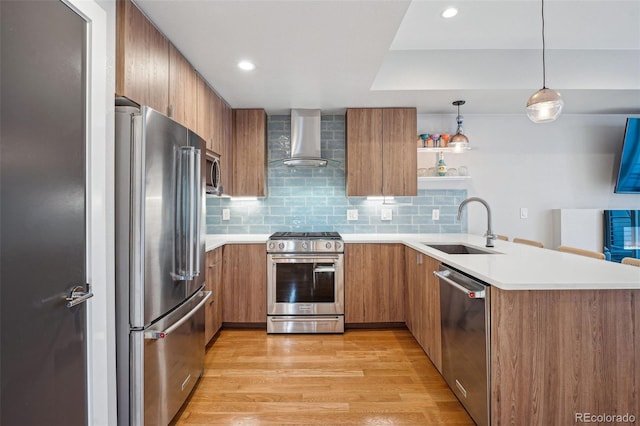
[364,152]
[142,59]
[226,148]
[381,153]
[182,89]
[374,277]
[249,152]
[204,123]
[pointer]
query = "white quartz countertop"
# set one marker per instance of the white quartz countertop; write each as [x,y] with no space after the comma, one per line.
[513,267]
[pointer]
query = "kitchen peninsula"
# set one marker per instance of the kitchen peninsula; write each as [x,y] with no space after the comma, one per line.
[564,329]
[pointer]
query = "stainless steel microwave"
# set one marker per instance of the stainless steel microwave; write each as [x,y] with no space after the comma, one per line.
[212,174]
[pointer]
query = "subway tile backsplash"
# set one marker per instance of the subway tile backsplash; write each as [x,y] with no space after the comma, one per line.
[302,199]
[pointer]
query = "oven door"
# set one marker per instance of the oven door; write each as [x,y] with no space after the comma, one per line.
[305,284]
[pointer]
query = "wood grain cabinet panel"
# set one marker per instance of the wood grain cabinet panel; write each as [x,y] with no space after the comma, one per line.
[422,303]
[364,151]
[245,283]
[374,283]
[217,120]
[381,152]
[558,353]
[213,308]
[182,89]
[142,59]
[226,149]
[249,152]
[204,123]
[399,153]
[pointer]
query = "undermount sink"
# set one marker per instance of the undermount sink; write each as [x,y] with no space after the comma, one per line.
[460,249]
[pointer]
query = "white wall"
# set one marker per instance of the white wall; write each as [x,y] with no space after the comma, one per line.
[571,163]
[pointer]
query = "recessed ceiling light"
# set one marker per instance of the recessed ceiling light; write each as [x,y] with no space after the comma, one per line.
[246,65]
[450,12]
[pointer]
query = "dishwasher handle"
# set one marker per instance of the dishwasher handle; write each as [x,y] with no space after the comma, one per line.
[471,293]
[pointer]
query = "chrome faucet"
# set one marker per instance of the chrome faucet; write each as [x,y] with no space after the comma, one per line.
[490,236]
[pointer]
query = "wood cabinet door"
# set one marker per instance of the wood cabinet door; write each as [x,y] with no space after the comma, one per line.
[245,283]
[374,283]
[182,89]
[399,154]
[422,303]
[226,149]
[431,328]
[249,152]
[142,59]
[364,151]
[213,308]
[204,125]
[413,300]
[217,121]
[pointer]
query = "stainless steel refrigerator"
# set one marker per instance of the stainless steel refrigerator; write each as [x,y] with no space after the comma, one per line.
[160,256]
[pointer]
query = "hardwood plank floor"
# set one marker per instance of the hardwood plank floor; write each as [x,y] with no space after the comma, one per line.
[361,377]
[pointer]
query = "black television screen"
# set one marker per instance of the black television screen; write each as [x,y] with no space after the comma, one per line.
[629,172]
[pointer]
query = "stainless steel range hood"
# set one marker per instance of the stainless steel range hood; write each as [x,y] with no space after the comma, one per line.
[305,139]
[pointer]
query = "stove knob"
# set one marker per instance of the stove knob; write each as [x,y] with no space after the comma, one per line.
[305,245]
[281,246]
[272,245]
[338,246]
[328,245]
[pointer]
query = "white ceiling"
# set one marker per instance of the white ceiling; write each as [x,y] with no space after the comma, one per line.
[362,53]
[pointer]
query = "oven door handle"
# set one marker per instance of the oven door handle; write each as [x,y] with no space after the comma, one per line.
[306,319]
[305,258]
[321,269]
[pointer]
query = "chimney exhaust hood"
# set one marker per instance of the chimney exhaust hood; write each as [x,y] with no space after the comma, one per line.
[305,139]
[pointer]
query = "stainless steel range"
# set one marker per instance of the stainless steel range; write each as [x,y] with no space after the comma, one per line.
[305,282]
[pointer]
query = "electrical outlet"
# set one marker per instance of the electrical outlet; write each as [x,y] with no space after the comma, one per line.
[386,214]
[435,214]
[352,214]
[226,214]
[524,213]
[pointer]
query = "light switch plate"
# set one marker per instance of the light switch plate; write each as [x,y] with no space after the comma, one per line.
[524,213]
[386,214]
[352,214]
[226,214]
[435,214]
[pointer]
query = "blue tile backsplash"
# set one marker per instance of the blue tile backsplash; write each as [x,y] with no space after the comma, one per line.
[301,199]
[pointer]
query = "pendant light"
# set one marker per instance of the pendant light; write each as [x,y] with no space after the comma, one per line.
[459,141]
[546,104]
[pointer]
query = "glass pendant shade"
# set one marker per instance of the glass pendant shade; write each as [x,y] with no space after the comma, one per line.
[459,141]
[544,106]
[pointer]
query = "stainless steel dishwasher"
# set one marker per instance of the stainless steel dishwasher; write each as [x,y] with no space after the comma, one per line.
[464,315]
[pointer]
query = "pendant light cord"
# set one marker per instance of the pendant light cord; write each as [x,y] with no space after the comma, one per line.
[544,66]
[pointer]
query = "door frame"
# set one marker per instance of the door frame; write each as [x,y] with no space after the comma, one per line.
[100,210]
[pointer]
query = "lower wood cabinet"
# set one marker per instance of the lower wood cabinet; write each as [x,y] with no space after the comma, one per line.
[245,283]
[422,303]
[374,283]
[213,308]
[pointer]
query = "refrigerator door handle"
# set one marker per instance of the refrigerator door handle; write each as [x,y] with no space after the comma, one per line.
[187,214]
[177,324]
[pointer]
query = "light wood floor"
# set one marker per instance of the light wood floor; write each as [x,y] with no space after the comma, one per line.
[363,377]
